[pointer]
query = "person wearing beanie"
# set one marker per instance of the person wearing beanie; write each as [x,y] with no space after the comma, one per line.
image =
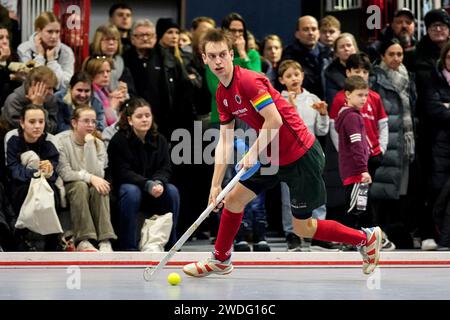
[163,25]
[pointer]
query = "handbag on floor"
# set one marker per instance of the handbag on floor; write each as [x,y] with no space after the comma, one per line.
[156,232]
[38,212]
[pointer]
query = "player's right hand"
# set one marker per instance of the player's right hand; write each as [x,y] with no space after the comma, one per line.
[215,191]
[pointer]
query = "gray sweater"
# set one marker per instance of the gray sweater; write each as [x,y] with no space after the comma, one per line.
[80,162]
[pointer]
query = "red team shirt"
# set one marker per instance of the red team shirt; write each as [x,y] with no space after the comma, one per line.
[247,94]
[372,112]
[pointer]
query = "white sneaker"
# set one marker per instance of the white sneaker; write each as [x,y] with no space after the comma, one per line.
[208,266]
[105,246]
[152,248]
[86,246]
[429,245]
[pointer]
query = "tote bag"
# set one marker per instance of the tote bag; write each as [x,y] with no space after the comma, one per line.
[38,212]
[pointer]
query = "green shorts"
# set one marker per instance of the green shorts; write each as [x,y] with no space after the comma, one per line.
[304,178]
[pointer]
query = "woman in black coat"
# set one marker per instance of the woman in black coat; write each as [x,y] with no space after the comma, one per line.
[139,161]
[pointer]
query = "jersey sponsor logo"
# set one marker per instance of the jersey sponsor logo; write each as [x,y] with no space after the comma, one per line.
[239,111]
[238,99]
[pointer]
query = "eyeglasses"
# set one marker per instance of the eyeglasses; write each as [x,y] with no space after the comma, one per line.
[236,30]
[435,26]
[144,35]
[110,39]
[88,121]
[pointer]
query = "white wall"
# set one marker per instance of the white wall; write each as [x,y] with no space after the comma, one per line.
[149,9]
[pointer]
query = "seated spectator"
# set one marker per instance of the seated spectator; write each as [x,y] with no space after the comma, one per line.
[38,90]
[46,49]
[31,139]
[107,43]
[78,93]
[99,69]
[81,166]
[7,85]
[334,75]
[139,160]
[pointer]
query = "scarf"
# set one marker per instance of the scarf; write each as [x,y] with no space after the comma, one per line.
[103,94]
[400,80]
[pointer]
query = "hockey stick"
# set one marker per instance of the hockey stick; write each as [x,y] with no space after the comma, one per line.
[149,272]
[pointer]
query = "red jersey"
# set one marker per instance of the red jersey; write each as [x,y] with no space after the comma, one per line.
[372,112]
[247,94]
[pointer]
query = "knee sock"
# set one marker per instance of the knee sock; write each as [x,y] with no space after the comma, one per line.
[332,231]
[229,226]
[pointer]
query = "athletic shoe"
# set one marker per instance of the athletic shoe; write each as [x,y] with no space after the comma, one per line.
[386,244]
[86,246]
[105,246]
[429,245]
[242,246]
[208,266]
[371,250]
[323,246]
[293,242]
[261,246]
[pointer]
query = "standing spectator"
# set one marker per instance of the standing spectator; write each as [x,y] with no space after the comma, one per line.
[402,28]
[272,48]
[107,43]
[437,96]
[121,15]
[139,160]
[394,188]
[334,75]
[78,93]
[309,52]
[185,40]
[31,141]
[37,89]
[353,146]
[46,49]
[99,69]
[330,30]
[137,57]
[81,166]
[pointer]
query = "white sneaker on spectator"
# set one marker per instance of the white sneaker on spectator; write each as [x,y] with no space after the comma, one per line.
[429,245]
[105,246]
[153,248]
[86,246]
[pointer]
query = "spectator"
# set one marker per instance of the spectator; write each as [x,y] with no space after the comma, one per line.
[393,188]
[272,48]
[78,93]
[46,49]
[330,30]
[137,58]
[107,43]
[140,164]
[437,96]
[81,166]
[10,22]
[32,139]
[334,75]
[38,90]
[309,52]
[7,85]
[315,115]
[121,16]
[185,40]
[401,28]
[99,69]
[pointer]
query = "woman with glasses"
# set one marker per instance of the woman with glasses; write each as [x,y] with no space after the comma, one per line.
[107,42]
[99,69]
[81,166]
[46,49]
[78,93]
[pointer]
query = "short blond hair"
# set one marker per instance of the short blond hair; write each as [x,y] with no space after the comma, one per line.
[286,64]
[106,31]
[330,22]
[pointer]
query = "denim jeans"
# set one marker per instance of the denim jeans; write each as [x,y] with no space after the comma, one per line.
[133,200]
[286,215]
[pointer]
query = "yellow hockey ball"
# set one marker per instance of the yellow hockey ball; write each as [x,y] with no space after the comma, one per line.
[174,278]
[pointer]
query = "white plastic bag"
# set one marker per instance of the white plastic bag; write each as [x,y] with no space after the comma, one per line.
[155,233]
[38,212]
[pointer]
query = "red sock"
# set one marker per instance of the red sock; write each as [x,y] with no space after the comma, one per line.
[332,231]
[229,226]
